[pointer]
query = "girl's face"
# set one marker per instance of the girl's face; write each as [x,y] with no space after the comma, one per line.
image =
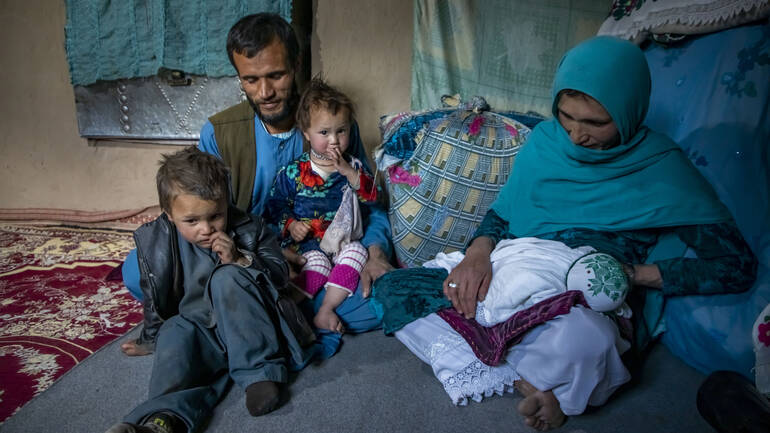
[328,130]
[587,122]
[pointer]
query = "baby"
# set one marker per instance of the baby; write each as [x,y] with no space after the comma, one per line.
[308,192]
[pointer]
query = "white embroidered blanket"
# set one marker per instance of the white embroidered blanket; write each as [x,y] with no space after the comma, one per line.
[525,271]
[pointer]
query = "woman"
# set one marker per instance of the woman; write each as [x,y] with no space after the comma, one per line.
[592,175]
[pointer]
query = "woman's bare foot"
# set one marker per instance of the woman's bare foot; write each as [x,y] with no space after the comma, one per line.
[132,348]
[540,409]
[328,319]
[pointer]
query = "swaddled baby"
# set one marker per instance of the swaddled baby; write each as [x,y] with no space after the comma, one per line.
[528,270]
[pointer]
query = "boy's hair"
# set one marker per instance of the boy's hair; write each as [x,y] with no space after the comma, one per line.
[191,171]
[317,95]
[252,33]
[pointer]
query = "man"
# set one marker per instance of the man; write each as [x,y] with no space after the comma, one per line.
[257,137]
[264,51]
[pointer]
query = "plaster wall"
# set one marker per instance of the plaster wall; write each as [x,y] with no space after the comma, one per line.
[362,46]
[45,163]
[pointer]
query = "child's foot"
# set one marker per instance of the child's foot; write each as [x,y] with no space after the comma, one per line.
[540,409]
[262,397]
[328,319]
[132,348]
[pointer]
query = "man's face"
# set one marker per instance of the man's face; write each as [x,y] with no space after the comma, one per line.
[268,81]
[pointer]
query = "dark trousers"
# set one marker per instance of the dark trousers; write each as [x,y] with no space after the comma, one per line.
[731,404]
[194,363]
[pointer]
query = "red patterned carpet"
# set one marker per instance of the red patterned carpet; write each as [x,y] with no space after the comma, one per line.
[56,307]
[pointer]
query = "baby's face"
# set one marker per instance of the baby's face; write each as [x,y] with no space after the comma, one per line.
[198,219]
[328,130]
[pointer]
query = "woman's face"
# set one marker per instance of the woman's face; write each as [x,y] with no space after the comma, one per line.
[587,122]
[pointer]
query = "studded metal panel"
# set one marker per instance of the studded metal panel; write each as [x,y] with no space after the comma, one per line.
[151,108]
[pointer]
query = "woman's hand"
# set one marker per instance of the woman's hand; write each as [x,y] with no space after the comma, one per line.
[468,282]
[647,275]
[298,230]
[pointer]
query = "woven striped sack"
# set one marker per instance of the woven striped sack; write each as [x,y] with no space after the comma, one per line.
[442,179]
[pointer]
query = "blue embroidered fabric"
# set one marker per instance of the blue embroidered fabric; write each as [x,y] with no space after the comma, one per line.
[711,95]
[401,143]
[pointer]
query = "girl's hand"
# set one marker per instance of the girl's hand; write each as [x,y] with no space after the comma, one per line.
[340,163]
[298,230]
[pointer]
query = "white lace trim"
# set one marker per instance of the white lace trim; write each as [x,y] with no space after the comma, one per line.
[478,380]
[653,15]
[441,345]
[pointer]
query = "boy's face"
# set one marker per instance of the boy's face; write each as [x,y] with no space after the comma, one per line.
[197,219]
[328,130]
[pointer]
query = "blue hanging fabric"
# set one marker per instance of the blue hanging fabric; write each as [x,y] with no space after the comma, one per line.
[109,40]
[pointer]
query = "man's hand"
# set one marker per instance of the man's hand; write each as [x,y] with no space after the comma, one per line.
[223,245]
[469,281]
[296,261]
[299,230]
[376,266]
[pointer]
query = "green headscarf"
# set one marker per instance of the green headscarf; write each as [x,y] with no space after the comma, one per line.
[646,181]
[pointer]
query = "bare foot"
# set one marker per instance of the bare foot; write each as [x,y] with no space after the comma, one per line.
[328,319]
[132,348]
[540,409]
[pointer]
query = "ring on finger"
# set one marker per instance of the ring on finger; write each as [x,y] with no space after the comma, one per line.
[452,284]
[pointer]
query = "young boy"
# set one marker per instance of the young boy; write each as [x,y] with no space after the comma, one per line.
[211,275]
[308,192]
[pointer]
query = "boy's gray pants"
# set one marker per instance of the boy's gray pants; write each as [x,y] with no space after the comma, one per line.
[193,363]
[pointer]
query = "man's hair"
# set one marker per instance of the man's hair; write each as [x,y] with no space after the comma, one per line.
[317,95]
[252,33]
[191,171]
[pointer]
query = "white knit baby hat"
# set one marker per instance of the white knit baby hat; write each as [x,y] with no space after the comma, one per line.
[601,279]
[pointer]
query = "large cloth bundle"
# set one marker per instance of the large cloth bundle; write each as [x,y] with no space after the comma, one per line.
[443,177]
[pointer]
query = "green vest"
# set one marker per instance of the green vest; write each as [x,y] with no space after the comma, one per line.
[234,132]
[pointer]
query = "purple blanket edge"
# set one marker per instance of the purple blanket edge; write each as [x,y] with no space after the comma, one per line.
[489,344]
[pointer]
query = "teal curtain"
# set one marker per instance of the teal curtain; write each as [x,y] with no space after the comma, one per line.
[504,50]
[113,39]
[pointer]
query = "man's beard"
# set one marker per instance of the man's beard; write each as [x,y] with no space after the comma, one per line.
[289,107]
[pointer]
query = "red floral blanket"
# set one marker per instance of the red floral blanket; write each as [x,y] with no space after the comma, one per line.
[56,307]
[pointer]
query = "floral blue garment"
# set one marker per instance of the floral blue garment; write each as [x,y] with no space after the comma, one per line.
[300,194]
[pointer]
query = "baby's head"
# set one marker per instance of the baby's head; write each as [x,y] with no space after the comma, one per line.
[325,116]
[193,190]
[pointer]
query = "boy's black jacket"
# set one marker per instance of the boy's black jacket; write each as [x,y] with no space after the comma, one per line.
[160,267]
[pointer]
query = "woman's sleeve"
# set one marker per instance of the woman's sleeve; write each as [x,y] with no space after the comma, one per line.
[724,263]
[492,226]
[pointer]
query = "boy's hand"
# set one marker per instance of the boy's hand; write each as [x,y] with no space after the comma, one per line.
[299,230]
[223,245]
